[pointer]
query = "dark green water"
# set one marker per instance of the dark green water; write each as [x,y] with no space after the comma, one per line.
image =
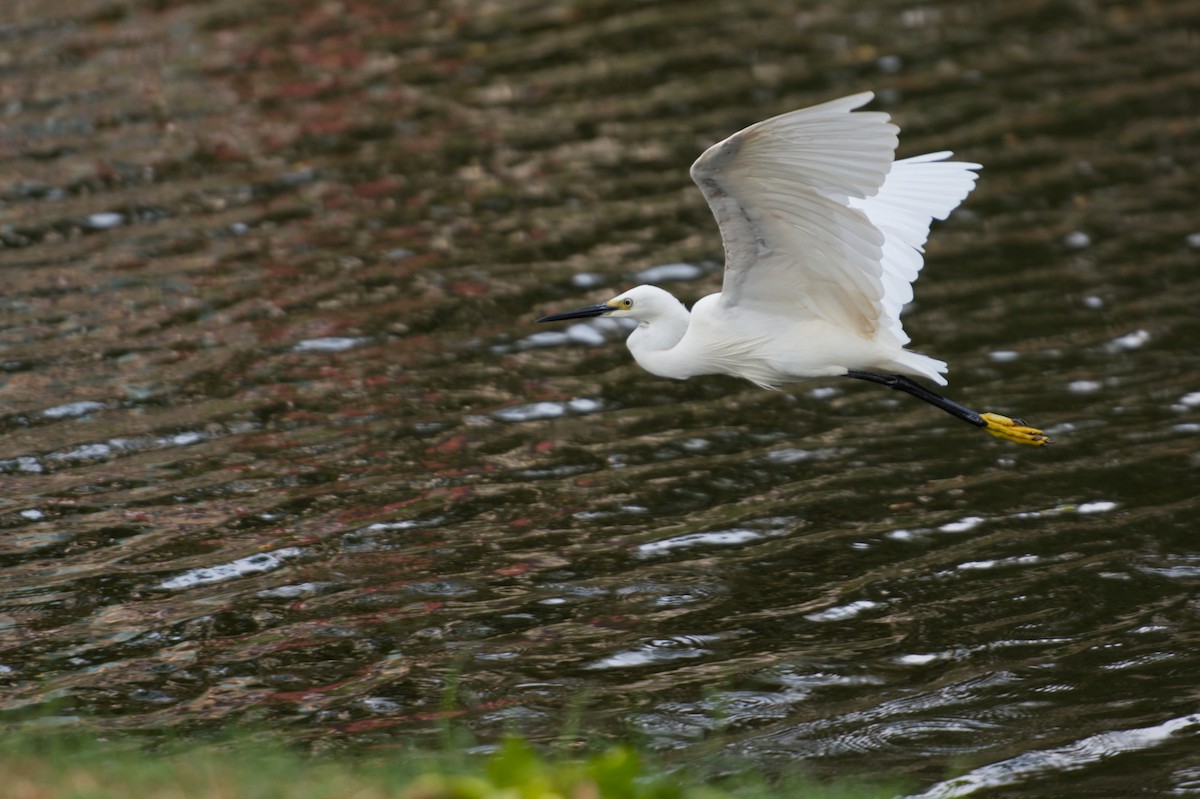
[281,443]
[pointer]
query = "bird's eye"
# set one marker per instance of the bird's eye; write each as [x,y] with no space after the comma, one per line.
[626,303]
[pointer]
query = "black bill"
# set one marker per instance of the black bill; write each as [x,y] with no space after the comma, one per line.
[578,313]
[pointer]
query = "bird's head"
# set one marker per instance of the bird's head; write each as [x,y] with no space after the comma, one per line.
[643,303]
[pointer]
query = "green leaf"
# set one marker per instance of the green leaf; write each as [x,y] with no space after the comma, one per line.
[515,765]
[616,772]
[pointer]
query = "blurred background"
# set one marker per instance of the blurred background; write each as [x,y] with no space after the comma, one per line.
[282,445]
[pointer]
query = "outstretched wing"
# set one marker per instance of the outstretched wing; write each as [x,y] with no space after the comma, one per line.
[809,226]
[917,191]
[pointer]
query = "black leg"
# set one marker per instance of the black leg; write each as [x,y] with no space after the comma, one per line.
[902,383]
[999,426]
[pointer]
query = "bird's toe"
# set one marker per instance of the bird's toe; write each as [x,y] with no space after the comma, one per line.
[1017,430]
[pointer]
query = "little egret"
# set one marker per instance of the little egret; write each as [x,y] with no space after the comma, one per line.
[824,233]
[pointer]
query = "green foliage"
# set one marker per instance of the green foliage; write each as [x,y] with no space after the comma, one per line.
[38,766]
[517,771]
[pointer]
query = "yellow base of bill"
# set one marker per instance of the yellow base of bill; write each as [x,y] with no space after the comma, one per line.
[1014,430]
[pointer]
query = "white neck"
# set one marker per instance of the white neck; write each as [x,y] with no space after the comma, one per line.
[654,342]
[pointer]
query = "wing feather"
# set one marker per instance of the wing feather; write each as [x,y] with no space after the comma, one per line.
[917,191]
[780,192]
[818,221]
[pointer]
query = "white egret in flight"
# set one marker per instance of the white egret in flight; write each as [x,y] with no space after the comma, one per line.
[824,233]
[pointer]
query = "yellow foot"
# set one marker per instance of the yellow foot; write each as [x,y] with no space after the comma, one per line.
[1014,430]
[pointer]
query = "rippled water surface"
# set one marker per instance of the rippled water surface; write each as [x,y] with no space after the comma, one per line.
[281,443]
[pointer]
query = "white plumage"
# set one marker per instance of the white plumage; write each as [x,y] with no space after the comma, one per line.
[824,233]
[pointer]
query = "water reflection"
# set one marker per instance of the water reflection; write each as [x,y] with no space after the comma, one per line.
[282,444]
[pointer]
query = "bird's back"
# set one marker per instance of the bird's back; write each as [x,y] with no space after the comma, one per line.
[772,349]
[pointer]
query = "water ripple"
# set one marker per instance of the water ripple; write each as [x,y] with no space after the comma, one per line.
[283,444]
[1072,757]
[659,651]
[252,564]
